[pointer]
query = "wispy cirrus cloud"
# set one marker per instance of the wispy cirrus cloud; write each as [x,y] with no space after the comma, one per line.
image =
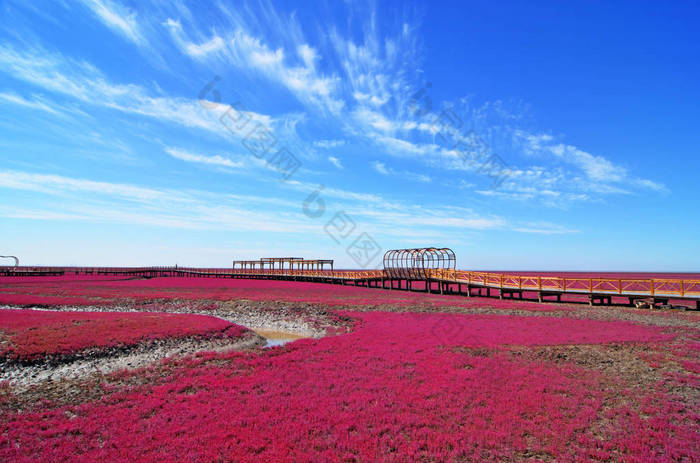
[335,161]
[594,173]
[328,143]
[418,217]
[334,73]
[383,169]
[80,80]
[215,160]
[193,209]
[64,198]
[296,68]
[33,103]
[117,17]
[337,193]
[51,183]
[108,202]
[368,82]
[544,228]
[194,50]
[350,84]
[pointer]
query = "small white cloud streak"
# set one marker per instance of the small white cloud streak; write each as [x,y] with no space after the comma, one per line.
[335,192]
[194,50]
[21,101]
[48,183]
[328,143]
[335,161]
[117,17]
[381,168]
[216,160]
[544,228]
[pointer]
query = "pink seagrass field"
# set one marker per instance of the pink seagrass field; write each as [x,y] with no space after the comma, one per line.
[399,387]
[394,386]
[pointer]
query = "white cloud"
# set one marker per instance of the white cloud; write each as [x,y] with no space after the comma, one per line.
[535,142]
[597,168]
[550,187]
[544,228]
[380,167]
[70,198]
[202,159]
[194,50]
[21,101]
[378,71]
[384,170]
[335,192]
[547,197]
[400,147]
[297,71]
[303,80]
[84,82]
[459,222]
[117,17]
[415,217]
[593,174]
[364,83]
[419,177]
[308,55]
[215,44]
[335,161]
[328,143]
[47,183]
[650,185]
[78,199]
[372,119]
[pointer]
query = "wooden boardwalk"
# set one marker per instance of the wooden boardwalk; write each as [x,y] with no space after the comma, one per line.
[443,281]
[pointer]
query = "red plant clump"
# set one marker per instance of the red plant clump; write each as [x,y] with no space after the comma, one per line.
[33,334]
[399,387]
[492,331]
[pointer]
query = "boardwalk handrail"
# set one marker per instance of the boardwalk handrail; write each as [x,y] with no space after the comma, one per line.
[630,287]
[563,284]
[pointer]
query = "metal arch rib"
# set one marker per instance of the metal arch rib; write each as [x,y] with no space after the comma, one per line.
[11,257]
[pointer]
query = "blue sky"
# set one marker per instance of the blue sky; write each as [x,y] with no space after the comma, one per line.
[524,135]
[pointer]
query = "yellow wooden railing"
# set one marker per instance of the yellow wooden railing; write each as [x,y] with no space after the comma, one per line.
[612,286]
[604,286]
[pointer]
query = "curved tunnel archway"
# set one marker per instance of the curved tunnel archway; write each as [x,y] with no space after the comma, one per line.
[416,263]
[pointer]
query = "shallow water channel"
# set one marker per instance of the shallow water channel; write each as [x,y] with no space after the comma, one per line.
[278,338]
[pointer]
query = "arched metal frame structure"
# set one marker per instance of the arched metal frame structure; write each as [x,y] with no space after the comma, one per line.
[417,263]
[281,264]
[11,257]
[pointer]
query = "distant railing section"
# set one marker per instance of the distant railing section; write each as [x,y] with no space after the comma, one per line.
[611,286]
[504,282]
